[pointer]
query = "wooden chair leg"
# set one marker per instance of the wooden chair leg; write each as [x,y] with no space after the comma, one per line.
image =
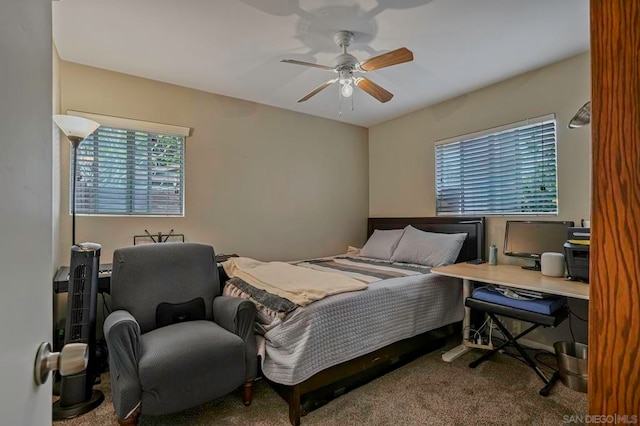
[131,420]
[247,392]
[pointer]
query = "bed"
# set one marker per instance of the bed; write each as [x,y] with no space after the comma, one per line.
[329,346]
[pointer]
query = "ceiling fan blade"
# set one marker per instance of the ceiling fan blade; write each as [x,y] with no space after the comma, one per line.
[394,57]
[373,89]
[318,89]
[307,64]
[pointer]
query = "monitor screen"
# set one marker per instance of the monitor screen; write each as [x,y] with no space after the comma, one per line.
[532,238]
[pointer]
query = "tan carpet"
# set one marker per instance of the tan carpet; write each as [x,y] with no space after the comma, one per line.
[426,391]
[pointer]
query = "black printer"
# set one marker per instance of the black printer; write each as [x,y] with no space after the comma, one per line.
[576,254]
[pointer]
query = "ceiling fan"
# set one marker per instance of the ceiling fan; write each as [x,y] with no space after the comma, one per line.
[345,65]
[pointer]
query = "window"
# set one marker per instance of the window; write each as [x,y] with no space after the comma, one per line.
[506,170]
[130,172]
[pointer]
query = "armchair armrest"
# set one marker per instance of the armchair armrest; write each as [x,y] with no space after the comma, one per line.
[238,316]
[122,333]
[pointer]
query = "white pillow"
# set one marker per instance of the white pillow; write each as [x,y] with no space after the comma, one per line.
[381,244]
[428,248]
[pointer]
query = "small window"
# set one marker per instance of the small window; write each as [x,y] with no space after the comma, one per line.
[130,172]
[509,170]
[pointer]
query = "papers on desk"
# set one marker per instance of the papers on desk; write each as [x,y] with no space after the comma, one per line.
[580,242]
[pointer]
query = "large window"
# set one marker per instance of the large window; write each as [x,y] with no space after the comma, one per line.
[503,171]
[130,172]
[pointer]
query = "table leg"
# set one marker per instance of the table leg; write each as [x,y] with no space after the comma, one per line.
[461,349]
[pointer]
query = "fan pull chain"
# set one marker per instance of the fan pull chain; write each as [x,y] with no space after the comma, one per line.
[340,102]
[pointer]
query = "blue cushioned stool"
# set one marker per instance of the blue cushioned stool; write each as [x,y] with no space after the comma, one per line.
[532,311]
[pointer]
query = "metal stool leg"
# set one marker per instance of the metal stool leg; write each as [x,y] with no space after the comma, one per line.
[547,388]
[484,357]
[549,383]
[509,340]
[525,355]
[513,340]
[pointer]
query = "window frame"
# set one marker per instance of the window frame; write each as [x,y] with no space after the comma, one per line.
[130,125]
[496,130]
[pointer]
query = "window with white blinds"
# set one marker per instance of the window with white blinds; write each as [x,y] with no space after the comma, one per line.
[508,170]
[130,172]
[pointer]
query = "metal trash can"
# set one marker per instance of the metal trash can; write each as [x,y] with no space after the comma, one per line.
[572,364]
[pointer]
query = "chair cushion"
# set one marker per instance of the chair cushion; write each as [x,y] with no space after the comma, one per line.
[547,305]
[520,314]
[186,364]
[145,276]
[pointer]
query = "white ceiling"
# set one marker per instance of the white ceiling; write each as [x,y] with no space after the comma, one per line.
[234,47]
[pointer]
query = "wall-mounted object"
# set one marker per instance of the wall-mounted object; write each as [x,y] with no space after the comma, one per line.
[582,117]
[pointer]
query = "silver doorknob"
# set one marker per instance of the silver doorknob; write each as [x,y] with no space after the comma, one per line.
[73,358]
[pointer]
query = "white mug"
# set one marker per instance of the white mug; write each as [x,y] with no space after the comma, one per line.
[552,264]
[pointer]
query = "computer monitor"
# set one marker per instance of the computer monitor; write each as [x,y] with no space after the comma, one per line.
[529,239]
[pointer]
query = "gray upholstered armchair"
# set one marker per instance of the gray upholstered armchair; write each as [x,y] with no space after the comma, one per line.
[174,342]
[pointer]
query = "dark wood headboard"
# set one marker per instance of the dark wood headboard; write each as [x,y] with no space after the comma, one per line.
[473,247]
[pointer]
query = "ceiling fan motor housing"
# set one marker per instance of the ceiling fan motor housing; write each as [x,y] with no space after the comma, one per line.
[343,38]
[345,61]
[345,76]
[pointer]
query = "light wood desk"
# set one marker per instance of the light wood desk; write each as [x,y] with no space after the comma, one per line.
[507,276]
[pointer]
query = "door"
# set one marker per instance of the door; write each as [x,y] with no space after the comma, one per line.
[26,259]
[614,326]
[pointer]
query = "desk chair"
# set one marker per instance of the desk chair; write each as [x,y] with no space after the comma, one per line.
[537,319]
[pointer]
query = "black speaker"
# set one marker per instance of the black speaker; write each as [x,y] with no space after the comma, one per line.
[77,395]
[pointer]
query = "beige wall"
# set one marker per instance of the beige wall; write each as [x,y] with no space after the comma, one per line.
[401,151]
[55,178]
[260,181]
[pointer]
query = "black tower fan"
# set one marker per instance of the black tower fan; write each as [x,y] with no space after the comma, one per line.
[77,395]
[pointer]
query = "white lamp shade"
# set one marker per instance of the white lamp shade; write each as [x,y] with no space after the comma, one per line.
[75,127]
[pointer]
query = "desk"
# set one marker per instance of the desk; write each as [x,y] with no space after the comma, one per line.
[61,278]
[507,276]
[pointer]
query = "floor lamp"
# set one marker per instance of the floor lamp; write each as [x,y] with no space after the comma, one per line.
[77,395]
[77,129]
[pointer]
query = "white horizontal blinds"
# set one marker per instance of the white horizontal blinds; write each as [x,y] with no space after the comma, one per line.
[130,172]
[510,170]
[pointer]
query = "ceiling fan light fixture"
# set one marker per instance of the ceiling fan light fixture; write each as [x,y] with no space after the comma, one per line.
[346,89]
[346,79]
[345,65]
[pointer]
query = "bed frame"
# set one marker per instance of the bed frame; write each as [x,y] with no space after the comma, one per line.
[339,379]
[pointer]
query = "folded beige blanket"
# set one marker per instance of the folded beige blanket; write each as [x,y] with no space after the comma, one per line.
[297,284]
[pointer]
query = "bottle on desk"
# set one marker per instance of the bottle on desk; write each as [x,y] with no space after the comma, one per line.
[493,255]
